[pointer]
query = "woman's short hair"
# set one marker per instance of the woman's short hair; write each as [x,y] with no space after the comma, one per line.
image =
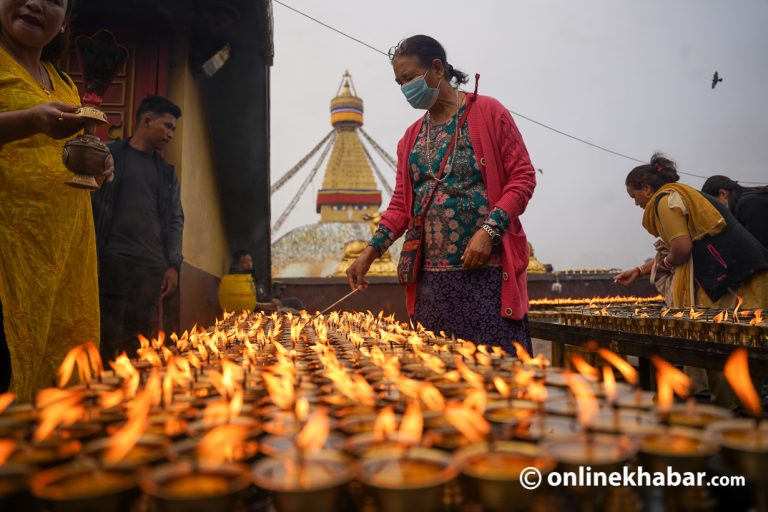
[427,49]
[660,171]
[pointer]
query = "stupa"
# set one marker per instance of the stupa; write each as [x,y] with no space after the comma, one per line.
[348,202]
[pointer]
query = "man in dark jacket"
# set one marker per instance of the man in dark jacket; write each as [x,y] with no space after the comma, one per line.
[139,224]
[748,204]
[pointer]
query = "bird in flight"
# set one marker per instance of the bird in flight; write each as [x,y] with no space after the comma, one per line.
[715,79]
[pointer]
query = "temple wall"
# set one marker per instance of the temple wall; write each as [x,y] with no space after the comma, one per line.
[206,253]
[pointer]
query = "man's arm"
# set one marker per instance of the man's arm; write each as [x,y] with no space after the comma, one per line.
[175,233]
[173,240]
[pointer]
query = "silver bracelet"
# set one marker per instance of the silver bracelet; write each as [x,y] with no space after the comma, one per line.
[495,235]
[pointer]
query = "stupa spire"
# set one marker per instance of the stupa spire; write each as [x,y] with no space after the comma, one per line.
[349,190]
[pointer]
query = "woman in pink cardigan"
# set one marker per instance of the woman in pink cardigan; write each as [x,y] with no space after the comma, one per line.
[472,283]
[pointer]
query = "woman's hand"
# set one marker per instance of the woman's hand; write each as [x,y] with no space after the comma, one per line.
[627,277]
[356,272]
[478,250]
[660,267]
[56,120]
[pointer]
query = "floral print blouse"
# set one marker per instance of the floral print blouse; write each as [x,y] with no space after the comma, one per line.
[460,205]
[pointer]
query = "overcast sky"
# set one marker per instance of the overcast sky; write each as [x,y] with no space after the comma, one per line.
[633,76]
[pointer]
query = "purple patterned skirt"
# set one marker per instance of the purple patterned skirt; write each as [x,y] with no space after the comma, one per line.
[466,303]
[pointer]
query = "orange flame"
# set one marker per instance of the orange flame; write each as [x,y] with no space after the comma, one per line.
[66,410]
[721,317]
[363,391]
[695,314]
[609,380]
[123,441]
[537,392]
[223,443]
[433,362]
[280,390]
[472,378]
[736,309]
[758,319]
[670,381]
[152,358]
[384,425]
[159,342]
[501,386]
[216,412]
[6,399]
[521,353]
[621,364]
[110,399]
[225,381]
[584,368]
[126,371]
[585,398]
[471,423]
[7,447]
[86,358]
[431,397]
[482,356]
[143,342]
[412,426]
[467,349]
[737,373]
[236,404]
[315,433]
[302,408]
[476,400]
[523,378]
[47,396]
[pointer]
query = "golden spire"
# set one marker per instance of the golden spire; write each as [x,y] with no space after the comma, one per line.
[349,190]
[346,107]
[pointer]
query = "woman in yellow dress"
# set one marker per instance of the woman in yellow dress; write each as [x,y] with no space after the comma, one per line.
[48,285]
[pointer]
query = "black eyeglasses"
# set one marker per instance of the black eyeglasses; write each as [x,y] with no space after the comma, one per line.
[395,50]
[392,52]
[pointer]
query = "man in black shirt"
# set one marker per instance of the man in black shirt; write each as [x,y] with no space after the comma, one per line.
[139,223]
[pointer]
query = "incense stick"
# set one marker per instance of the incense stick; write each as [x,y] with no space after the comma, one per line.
[340,301]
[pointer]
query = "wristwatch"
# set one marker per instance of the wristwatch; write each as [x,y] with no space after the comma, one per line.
[493,233]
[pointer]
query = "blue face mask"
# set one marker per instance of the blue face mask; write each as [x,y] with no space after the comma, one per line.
[419,94]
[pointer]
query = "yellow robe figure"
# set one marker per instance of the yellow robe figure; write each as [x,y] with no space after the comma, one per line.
[48,282]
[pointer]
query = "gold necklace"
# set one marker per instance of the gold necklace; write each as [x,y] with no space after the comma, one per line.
[42,82]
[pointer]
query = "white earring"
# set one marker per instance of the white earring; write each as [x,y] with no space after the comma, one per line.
[62,29]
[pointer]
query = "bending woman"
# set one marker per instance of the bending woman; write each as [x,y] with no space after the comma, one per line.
[711,257]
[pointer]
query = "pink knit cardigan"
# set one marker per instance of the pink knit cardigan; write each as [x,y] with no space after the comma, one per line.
[509,180]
